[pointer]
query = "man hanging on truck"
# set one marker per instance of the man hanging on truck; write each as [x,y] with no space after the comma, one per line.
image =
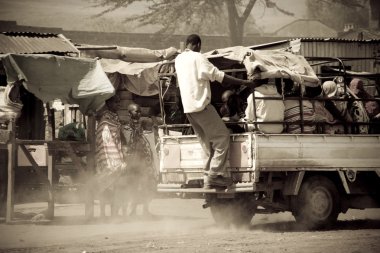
[194,73]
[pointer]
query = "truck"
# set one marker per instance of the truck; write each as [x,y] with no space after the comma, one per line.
[314,176]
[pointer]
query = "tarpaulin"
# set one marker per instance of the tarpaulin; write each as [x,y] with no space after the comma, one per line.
[9,108]
[139,78]
[72,80]
[280,64]
[135,68]
[263,64]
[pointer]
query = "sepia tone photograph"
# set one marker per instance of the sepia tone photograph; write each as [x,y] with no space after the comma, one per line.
[190,126]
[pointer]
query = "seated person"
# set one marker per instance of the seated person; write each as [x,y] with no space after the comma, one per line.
[266,109]
[232,110]
[233,107]
[372,108]
[295,123]
[338,109]
[323,117]
[373,111]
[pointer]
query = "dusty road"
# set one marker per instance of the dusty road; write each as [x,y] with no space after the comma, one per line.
[183,226]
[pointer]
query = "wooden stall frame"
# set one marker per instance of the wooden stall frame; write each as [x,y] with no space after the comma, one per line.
[71,147]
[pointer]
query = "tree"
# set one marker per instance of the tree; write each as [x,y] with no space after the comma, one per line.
[375,12]
[199,16]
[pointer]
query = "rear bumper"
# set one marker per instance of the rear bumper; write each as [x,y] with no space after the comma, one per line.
[183,189]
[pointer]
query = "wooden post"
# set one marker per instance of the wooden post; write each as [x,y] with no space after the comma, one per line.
[48,125]
[91,138]
[49,137]
[50,164]
[12,148]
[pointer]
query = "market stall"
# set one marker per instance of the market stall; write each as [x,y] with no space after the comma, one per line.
[71,80]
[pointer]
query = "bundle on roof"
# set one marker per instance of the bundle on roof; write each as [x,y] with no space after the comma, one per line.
[262,64]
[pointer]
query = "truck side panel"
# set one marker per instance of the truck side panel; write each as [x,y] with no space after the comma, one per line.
[279,152]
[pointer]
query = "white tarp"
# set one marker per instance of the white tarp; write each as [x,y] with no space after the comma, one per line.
[9,109]
[263,64]
[135,68]
[72,80]
[139,78]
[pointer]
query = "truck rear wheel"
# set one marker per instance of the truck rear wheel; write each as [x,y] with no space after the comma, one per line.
[318,203]
[236,212]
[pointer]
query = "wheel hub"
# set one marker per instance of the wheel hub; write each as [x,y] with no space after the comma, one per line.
[321,203]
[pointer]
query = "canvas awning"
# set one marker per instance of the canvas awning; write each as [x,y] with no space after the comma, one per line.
[135,68]
[139,78]
[72,80]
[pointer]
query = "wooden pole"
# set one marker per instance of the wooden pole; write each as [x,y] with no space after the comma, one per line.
[50,163]
[12,148]
[91,131]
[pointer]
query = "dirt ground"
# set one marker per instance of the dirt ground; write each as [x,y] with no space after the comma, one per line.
[182,226]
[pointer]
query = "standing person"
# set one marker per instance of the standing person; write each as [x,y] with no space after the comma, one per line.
[141,176]
[110,164]
[194,73]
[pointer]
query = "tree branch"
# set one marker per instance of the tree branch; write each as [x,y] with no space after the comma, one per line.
[271,4]
[248,10]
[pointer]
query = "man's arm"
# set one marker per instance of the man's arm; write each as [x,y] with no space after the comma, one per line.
[229,81]
[207,71]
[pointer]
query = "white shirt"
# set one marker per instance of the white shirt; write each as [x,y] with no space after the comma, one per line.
[194,73]
[266,110]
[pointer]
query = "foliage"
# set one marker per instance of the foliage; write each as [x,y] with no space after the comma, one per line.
[195,16]
[336,13]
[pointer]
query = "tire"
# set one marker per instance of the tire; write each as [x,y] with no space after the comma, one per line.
[317,204]
[235,212]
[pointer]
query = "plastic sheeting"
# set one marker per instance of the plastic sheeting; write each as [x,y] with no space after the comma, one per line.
[139,78]
[72,80]
[263,64]
[279,64]
[9,109]
[135,68]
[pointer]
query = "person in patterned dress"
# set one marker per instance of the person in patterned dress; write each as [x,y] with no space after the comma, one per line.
[110,162]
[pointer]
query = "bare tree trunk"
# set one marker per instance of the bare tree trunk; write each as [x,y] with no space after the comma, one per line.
[236,23]
[374,6]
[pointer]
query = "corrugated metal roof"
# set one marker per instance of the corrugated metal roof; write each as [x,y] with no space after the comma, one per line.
[338,40]
[361,33]
[35,43]
[325,40]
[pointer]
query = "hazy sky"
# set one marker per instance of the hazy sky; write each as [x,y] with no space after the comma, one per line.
[78,15]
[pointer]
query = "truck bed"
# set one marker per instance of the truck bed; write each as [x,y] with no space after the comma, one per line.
[182,157]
